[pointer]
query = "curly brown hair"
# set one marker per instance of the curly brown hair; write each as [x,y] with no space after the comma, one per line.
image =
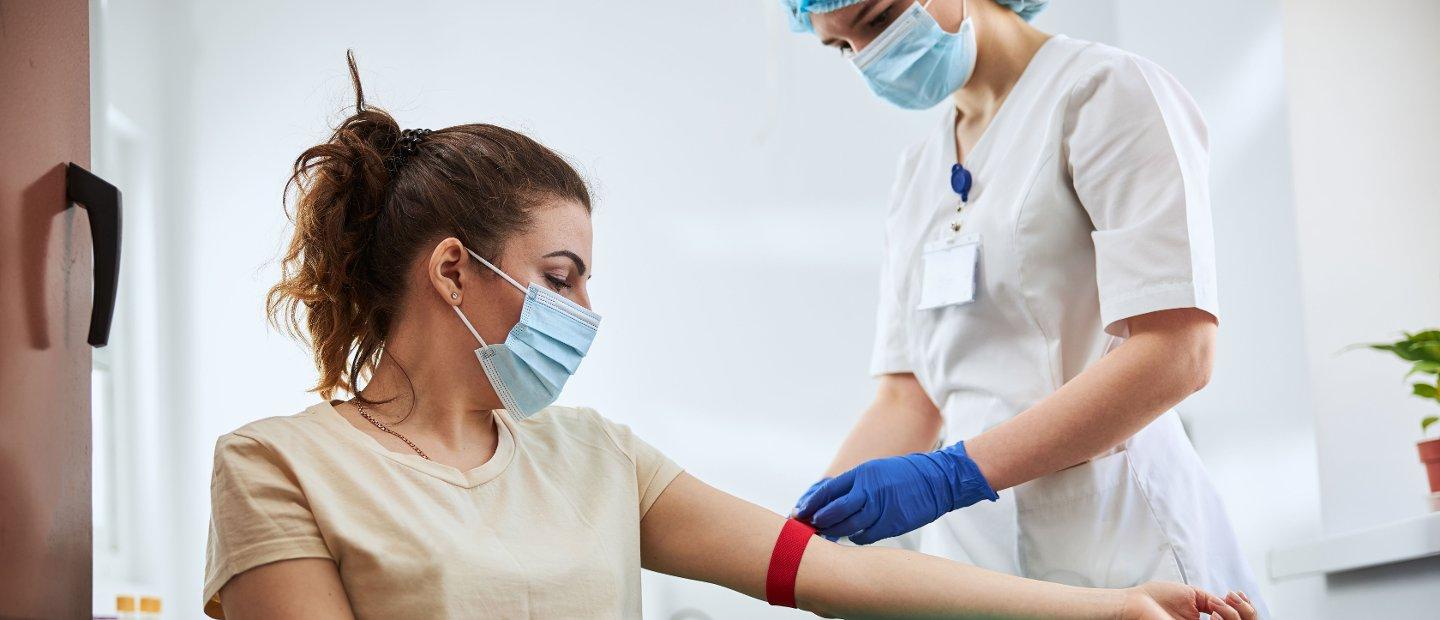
[365,206]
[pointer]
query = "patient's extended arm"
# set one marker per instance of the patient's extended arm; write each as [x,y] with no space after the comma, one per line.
[698,532]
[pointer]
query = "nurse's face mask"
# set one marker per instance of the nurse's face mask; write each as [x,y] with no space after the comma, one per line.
[914,63]
[540,353]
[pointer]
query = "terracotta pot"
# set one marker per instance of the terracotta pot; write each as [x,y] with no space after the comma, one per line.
[1430,456]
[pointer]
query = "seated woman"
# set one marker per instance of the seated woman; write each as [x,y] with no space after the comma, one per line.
[435,493]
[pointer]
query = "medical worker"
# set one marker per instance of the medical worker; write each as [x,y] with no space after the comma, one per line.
[1047,297]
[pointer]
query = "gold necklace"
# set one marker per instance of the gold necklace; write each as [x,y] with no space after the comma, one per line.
[361,408]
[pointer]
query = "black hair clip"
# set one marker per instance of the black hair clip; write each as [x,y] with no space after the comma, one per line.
[410,141]
[407,145]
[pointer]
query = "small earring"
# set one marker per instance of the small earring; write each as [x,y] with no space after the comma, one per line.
[454,295]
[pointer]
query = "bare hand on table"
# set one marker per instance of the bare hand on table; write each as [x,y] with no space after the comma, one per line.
[1159,600]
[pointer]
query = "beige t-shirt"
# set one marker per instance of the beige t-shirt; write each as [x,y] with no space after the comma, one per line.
[547,528]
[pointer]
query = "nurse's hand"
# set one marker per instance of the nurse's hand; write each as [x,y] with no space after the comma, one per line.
[891,496]
[810,492]
[1159,600]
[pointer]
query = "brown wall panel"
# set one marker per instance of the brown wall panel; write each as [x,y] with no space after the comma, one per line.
[45,289]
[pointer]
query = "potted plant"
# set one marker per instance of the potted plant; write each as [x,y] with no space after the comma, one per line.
[1422,351]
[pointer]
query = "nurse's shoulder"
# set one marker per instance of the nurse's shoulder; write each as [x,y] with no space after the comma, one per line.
[1109,83]
[1089,60]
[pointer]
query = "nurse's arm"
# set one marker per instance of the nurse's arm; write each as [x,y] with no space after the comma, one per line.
[902,419]
[1166,358]
[698,532]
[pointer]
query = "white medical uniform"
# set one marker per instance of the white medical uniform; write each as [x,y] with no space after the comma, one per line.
[1091,203]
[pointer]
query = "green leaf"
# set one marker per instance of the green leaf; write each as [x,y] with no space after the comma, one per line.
[1423,390]
[1426,367]
[1425,424]
[1423,346]
[1405,350]
[1432,335]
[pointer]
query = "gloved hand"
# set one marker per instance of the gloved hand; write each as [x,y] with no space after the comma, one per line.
[806,497]
[891,496]
[808,492]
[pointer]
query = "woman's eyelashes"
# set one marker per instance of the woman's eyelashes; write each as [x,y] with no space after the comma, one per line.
[873,27]
[879,21]
[559,283]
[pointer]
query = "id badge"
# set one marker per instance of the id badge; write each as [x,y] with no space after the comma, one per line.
[950,272]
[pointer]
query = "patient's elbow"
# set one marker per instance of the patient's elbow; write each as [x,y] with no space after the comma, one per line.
[1198,362]
[1201,377]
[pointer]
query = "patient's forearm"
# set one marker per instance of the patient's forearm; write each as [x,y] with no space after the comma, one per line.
[877,582]
[696,531]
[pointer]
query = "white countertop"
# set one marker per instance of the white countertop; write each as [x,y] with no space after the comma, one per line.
[1407,539]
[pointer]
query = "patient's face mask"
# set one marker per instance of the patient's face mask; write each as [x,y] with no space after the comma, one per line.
[914,63]
[540,353]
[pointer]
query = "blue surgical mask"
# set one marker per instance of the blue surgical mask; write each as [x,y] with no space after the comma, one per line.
[541,351]
[915,64]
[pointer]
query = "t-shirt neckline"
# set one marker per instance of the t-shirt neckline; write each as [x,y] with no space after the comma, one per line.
[489,470]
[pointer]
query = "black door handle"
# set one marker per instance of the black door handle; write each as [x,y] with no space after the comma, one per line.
[102,201]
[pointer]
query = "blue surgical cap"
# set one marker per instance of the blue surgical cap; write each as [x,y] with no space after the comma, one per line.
[1026,8]
[800,10]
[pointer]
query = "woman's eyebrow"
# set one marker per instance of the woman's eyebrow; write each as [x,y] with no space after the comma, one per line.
[570,255]
[854,21]
[870,13]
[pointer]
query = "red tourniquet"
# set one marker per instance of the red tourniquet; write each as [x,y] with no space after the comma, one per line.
[785,563]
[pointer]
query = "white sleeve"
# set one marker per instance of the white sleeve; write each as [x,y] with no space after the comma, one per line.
[891,354]
[1137,151]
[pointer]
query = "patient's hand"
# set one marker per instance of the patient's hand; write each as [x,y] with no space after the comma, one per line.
[1176,601]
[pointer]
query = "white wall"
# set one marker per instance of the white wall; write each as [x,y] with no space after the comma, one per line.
[1365,86]
[739,168]
[140,98]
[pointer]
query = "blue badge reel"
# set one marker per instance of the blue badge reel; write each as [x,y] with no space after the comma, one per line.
[960,181]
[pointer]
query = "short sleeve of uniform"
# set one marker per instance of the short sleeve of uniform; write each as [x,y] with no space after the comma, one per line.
[891,353]
[258,515]
[1138,156]
[653,470]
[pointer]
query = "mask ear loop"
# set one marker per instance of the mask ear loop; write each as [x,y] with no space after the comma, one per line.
[964,12]
[469,326]
[460,314]
[497,270]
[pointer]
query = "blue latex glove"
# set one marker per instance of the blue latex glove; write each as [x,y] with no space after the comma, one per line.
[891,496]
[806,497]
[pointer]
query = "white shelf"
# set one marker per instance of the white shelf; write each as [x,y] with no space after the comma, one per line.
[1408,539]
